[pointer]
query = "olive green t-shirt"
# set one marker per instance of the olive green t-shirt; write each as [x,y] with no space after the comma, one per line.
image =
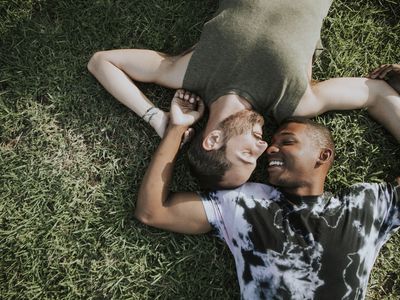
[258,49]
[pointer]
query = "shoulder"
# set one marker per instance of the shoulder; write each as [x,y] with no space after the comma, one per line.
[249,190]
[258,190]
[361,193]
[249,193]
[368,188]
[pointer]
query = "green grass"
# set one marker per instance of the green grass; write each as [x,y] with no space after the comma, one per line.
[71,157]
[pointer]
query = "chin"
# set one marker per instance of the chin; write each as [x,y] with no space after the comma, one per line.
[272,181]
[283,183]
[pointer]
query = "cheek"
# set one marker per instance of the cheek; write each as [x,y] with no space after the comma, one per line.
[306,162]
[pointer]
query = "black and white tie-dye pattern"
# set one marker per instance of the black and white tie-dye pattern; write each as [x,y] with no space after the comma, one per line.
[316,247]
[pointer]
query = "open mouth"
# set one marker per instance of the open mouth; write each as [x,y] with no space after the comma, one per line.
[275,163]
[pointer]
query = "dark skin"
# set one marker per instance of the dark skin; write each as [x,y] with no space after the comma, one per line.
[390,73]
[295,163]
[184,212]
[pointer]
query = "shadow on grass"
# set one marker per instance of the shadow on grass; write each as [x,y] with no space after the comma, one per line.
[73,157]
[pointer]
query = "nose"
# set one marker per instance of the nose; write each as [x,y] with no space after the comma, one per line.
[272,149]
[262,146]
[263,143]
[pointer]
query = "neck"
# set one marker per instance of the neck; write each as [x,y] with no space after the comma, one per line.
[303,191]
[224,107]
[311,189]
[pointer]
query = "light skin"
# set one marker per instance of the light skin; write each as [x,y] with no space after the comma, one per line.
[178,212]
[296,164]
[184,212]
[117,71]
[242,151]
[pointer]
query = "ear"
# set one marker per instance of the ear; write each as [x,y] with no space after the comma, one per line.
[325,156]
[213,141]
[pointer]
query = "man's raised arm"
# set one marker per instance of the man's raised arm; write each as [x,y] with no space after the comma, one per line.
[178,212]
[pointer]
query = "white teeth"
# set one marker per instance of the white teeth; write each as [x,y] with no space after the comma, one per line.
[275,163]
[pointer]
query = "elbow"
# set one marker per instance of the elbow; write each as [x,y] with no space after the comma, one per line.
[95,60]
[146,218]
[144,215]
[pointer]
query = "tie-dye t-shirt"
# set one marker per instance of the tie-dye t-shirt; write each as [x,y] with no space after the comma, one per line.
[315,247]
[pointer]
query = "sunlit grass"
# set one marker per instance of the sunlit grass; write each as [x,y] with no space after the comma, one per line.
[72,158]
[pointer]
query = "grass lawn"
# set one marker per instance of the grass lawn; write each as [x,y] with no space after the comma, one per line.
[72,158]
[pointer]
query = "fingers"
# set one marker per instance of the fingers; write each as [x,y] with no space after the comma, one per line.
[186,108]
[383,70]
[190,97]
[200,106]
[180,94]
[187,136]
[375,73]
[186,95]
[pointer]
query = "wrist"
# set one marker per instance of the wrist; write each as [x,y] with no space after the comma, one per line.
[175,132]
[177,128]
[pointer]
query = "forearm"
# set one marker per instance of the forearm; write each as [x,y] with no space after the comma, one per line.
[119,85]
[154,189]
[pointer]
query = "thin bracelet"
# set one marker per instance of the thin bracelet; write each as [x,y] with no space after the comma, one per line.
[149,114]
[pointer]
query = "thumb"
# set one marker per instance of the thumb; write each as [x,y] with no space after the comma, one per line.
[200,107]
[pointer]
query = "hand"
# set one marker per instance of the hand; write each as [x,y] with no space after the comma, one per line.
[390,73]
[186,108]
[382,71]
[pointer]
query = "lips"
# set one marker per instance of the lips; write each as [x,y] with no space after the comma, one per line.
[275,163]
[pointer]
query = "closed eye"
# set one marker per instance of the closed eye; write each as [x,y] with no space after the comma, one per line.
[247,153]
[248,157]
[257,135]
[288,142]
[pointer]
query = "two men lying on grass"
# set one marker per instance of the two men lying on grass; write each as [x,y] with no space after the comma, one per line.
[290,239]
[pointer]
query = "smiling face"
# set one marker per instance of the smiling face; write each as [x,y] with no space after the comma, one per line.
[296,161]
[226,156]
[242,151]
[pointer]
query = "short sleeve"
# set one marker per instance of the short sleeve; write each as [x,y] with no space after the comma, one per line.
[385,200]
[217,206]
[395,208]
[213,211]
[225,209]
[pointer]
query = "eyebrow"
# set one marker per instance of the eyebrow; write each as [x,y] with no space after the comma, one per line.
[286,133]
[282,133]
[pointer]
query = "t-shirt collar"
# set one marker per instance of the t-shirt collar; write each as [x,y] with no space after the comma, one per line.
[309,201]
